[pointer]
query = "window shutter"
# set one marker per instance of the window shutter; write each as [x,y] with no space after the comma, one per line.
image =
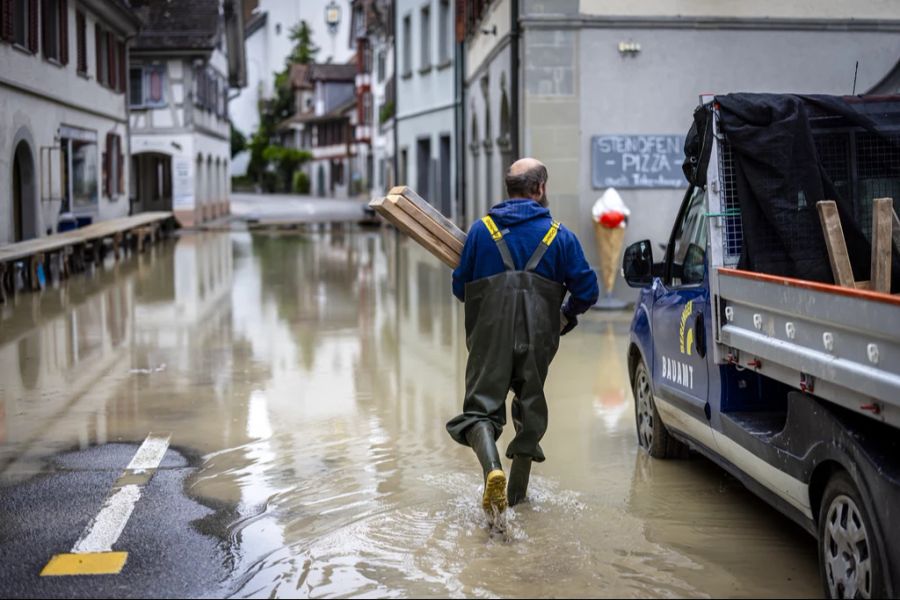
[107,166]
[63,32]
[98,33]
[123,77]
[121,188]
[6,20]
[33,26]
[45,27]
[112,79]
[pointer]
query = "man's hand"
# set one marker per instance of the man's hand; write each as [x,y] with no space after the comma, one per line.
[566,323]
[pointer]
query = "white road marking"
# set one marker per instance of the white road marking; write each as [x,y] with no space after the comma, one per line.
[151,453]
[107,526]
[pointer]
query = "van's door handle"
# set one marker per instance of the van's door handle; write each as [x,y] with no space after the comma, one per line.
[700,335]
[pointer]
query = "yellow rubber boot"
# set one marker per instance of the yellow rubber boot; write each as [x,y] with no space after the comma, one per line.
[494,492]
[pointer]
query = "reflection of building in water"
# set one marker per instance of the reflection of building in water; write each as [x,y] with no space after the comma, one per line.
[86,361]
[55,349]
[430,339]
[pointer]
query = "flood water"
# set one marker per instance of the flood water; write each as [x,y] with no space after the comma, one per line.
[311,375]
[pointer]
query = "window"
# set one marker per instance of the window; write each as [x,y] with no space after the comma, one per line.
[79,160]
[113,173]
[444,32]
[81,43]
[687,260]
[367,108]
[24,24]
[112,62]
[425,36]
[54,30]
[407,46]
[382,65]
[146,86]
[101,40]
[423,168]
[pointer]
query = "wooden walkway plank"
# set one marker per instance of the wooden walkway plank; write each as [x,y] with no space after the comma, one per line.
[58,241]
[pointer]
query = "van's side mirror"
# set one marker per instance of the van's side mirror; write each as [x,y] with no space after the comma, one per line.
[637,264]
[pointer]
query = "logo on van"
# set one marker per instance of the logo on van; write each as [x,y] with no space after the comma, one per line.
[686,337]
[677,372]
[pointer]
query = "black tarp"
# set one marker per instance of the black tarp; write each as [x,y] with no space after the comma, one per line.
[779,175]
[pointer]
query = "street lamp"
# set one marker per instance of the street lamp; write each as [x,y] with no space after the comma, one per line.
[332,16]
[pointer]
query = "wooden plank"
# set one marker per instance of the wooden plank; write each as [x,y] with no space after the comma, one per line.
[414,228]
[436,215]
[837,246]
[408,225]
[434,227]
[882,223]
[55,242]
[895,232]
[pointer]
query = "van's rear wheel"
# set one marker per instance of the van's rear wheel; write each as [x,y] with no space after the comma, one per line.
[848,552]
[652,434]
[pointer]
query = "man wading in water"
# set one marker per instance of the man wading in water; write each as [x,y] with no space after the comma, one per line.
[515,269]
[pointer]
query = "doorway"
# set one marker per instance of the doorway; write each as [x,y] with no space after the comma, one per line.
[151,181]
[24,200]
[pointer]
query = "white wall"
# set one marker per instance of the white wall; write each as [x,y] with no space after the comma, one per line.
[268,48]
[36,98]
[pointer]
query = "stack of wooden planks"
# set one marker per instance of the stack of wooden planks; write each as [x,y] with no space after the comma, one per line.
[412,215]
[885,236]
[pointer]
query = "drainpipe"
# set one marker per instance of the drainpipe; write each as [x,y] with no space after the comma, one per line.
[515,35]
[459,84]
[127,100]
[396,158]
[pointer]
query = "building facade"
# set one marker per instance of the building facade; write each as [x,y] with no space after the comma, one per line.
[183,66]
[426,101]
[372,30]
[603,91]
[63,114]
[268,28]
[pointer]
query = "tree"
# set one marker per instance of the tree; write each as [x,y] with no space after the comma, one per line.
[238,141]
[304,50]
[279,108]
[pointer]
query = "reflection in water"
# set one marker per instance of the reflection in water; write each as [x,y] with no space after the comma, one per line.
[313,375]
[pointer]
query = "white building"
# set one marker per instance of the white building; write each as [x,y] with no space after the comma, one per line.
[63,124]
[426,101]
[184,62]
[268,45]
[373,31]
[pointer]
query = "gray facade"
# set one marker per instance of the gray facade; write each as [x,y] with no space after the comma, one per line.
[426,101]
[586,75]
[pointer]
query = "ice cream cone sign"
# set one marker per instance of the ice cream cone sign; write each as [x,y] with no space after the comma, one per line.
[610,219]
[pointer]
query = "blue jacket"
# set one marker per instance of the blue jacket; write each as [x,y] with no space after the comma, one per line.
[528,223]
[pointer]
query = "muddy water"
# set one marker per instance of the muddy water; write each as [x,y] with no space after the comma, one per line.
[313,374]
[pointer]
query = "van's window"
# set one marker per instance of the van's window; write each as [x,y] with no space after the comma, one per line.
[688,257]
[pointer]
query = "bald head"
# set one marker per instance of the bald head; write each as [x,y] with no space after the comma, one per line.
[527,178]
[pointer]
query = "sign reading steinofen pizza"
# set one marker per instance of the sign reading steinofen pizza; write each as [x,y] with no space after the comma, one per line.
[637,161]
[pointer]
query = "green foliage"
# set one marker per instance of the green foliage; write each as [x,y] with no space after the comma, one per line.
[238,141]
[304,50]
[266,156]
[285,162]
[301,182]
[387,111]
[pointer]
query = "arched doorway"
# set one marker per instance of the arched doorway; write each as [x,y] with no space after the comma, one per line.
[24,196]
[151,176]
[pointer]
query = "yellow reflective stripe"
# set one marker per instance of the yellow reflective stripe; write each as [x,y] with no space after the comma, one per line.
[551,235]
[492,227]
